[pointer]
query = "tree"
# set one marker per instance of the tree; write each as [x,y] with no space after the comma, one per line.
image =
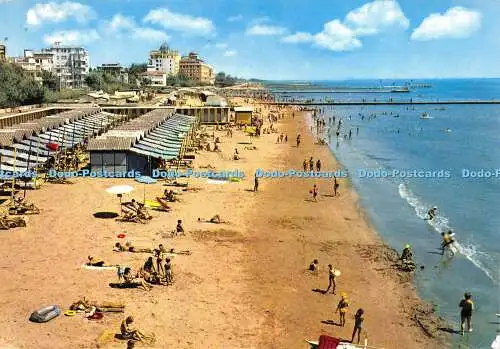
[17,87]
[50,81]
[95,81]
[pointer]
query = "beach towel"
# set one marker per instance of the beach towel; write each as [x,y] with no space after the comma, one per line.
[124,285]
[327,342]
[90,267]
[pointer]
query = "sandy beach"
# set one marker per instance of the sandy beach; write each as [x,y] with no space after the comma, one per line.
[245,285]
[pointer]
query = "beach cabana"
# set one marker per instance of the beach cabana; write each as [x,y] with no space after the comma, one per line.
[141,144]
[25,146]
[243,115]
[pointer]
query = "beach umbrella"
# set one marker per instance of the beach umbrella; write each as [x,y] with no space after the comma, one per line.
[119,190]
[145,180]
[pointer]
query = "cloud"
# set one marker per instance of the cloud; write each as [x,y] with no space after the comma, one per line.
[265,30]
[298,38]
[337,37]
[221,45]
[149,34]
[180,22]
[72,37]
[58,12]
[230,53]
[5,1]
[376,16]
[235,18]
[456,22]
[334,37]
[120,22]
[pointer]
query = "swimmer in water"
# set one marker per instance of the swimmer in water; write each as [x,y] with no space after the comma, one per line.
[432,213]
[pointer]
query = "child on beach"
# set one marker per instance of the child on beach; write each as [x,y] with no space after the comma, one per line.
[314,266]
[314,192]
[342,308]
[358,323]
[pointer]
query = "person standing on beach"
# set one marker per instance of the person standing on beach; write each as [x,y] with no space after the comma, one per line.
[256,183]
[331,279]
[311,164]
[342,308]
[335,186]
[298,140]
[318,165]
[286,138]
[314,192]
[467,306]
[358,324]
[304,164]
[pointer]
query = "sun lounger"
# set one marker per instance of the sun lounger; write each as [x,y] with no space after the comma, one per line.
[163,204]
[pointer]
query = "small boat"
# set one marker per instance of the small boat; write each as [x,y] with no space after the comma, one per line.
[425,116]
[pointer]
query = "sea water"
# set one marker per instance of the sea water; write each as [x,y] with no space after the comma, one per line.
[453,139]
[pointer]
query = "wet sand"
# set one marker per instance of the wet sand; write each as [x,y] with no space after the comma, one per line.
[245,285]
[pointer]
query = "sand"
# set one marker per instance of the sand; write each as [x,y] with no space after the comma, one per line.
[245,285]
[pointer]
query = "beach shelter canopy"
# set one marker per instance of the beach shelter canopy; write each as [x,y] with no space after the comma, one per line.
[120,189]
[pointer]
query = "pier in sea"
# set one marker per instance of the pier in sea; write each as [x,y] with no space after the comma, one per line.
[387,102]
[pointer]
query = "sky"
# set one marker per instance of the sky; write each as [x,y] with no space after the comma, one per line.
[273,39]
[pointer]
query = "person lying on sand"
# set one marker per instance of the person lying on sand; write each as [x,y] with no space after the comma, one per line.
[130,279]
[95,262]
[169,195]
[128,331]
[129,248]
[215,219]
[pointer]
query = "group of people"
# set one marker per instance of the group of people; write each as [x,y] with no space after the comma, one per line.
[343,304]
[133,209]
[282,138]
[309,165]
[447,236]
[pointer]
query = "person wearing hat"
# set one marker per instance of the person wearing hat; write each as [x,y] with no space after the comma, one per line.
[432,213]
[342,308]
[467,306]
[407,254]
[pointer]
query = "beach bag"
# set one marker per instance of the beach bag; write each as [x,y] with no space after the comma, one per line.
[45,314]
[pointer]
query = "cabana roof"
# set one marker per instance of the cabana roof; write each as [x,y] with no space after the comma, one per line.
[111,143]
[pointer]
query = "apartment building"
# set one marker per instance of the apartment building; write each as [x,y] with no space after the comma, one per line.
[70,65]
[114,69]
[194,68]
[164,60]
[3,52]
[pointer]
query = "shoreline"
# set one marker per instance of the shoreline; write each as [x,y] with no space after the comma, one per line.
[387,256]
[245,282]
